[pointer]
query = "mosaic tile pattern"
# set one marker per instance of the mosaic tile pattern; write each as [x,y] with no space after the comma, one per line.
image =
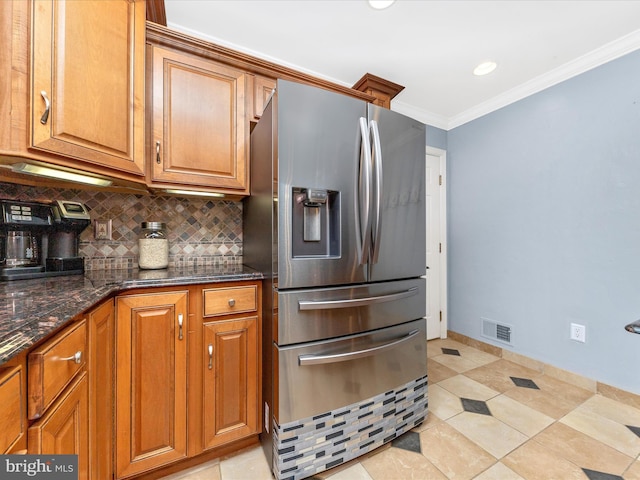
[456,444]
[311,445]
[202,232]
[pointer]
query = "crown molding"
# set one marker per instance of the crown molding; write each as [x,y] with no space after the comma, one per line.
[421,115]
[591,60]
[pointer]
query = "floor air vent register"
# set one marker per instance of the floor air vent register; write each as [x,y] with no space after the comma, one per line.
[496,331]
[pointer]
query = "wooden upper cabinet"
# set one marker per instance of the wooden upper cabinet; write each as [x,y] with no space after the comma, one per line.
[382,91]
[199,132]
[262,89]
[87,85]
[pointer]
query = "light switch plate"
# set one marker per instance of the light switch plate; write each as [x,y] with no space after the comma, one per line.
[102,229]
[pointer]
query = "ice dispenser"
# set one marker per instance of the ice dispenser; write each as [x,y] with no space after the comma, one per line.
[315,223]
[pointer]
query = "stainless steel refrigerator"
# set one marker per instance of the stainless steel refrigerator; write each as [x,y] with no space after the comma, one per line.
[336,223]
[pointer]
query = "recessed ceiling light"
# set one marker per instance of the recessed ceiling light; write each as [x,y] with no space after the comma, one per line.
[485,68]
[381,4]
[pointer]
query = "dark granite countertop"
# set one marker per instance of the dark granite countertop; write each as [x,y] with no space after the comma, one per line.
[30,310]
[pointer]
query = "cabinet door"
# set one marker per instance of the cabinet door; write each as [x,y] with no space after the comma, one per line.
[151,380]
[12,415]
[100,363]
[199,132]
[64,428]
[262,89]
[88,66]
[230,381]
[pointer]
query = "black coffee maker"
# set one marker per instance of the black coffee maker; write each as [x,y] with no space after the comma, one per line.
[69,220]
[40,239]
[23,230]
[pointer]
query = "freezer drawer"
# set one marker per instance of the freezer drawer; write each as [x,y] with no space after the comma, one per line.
[318,377]
[319,314]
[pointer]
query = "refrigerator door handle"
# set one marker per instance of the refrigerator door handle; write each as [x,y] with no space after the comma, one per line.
[355,302]
[343,357]
[362,197]
[377,191]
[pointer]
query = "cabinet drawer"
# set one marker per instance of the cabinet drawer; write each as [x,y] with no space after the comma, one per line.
[53,366]
[64,428]
[11,426]
[224,301]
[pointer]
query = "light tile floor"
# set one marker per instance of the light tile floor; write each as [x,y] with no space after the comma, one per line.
[489,419]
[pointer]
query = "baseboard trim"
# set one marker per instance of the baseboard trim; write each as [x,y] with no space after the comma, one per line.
[594,386]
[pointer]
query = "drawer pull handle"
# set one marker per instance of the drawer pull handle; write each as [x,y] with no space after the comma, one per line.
[76,357]
[47,107]
[158,152]
[355,302]
[232,302]
[180,320]
[211,356]
[342,357]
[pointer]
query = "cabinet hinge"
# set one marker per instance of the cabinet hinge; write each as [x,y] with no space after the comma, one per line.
[440,180]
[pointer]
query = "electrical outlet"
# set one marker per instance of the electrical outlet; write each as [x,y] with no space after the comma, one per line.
[578,333]
[102,229]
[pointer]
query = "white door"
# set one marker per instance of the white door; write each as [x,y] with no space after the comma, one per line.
[436,246]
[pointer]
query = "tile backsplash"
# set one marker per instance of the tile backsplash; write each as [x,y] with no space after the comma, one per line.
[201,232]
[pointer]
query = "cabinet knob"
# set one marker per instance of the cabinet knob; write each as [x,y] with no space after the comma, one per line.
[210,356]
[232,302]
[47,107]
[75,358]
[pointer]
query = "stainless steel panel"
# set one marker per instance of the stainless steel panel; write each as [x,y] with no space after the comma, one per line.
[318,147]
[316,314]
[402,243]
[260,208]
[350,369]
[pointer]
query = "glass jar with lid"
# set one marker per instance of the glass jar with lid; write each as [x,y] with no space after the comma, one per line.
[153,246]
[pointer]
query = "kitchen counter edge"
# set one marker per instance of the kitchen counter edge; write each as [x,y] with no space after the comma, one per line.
[31,310]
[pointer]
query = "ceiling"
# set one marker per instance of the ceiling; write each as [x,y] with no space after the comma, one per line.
[429,47]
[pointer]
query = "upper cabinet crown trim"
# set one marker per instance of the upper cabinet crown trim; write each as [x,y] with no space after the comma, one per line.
[163,36]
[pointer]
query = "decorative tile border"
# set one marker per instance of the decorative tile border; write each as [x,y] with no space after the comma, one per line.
[202,232]
[314,444]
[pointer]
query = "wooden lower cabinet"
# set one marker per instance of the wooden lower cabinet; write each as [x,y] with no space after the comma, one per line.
[64,427]
[168,375]
[230,380]
[151,381]
[12,413]
[101,363]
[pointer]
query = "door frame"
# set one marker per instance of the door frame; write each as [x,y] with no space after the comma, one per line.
[442,154]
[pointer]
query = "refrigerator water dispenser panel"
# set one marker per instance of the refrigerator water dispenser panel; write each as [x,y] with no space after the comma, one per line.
[315,222]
